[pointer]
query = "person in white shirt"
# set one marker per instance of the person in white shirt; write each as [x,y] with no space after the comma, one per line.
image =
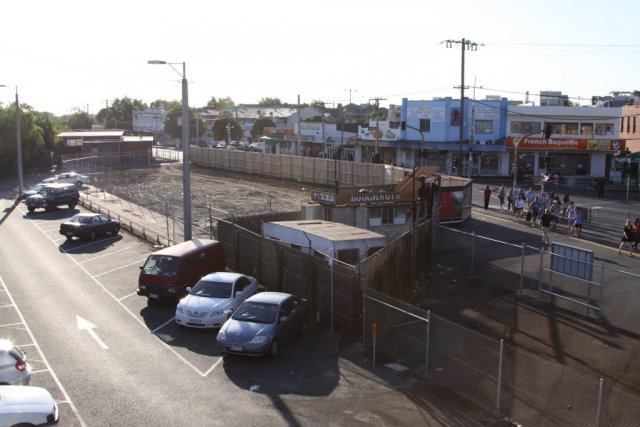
[571,216]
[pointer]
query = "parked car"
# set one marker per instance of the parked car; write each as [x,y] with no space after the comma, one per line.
[33,190]
[212,300]
[51,196]
[262,323]
[89,226]
[68,178]
[27,405]
[167,273]
[14,369]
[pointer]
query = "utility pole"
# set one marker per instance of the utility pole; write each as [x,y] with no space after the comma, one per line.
[465,45]
[376,101]
[351,90]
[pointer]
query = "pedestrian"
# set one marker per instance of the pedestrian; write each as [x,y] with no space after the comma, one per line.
[487,197]
[515,194]
[518,206]
[501,194]
[530,196]
[635,228]
[535,208]
[571,216]
[600,187]
[555,212]
[510,199]
[565,204]
[579,221]
[627,237]
[545,224]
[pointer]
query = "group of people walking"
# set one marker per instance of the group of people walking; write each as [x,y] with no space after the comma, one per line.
[543,210]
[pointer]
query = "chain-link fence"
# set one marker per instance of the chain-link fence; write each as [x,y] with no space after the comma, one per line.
[518,384]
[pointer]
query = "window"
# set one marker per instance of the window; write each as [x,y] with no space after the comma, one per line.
[621,124]
[564,128]
[586,128]
[525,127]
[387,215]
[425,125]
[380,216]
[628,123]
[604,129]
[484,126]
[634,124]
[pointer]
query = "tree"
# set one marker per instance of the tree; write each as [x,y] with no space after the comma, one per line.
[258,126]
[120,113]
[80,120]
[220,129]
[270,102]
[220,104]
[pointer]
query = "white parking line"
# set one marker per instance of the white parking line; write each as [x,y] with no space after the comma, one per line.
[75,248]
[163,325]
[44,359]
[101,256]
[119,268]
[53,229]
[127,296]
[133,315]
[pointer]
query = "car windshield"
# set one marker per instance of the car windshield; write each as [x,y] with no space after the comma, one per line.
[161,265]
[256,312]
[45,191]
[210,289]
[81,219]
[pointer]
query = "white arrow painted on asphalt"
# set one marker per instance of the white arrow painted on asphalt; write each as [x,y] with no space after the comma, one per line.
[89,327]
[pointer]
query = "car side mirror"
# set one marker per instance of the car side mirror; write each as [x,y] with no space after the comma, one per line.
[284,319]
[237,293]
[141,267]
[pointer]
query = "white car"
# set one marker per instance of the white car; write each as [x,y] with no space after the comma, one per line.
[14,368]
[69,177]
[26,405]
[212,300]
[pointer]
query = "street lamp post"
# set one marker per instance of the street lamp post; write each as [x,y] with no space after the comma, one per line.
[18,145]
[186,184]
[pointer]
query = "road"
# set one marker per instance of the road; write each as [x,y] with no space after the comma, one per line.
[110,359]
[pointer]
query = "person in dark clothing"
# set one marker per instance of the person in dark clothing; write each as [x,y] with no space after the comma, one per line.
[600,187]
[487,197]
[545,224]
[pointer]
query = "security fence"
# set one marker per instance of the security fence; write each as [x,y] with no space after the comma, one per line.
[513,382]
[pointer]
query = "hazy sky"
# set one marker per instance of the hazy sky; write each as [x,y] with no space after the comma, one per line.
[65,55]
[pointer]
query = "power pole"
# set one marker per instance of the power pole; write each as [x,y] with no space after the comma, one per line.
[351,90]
[377,105]
[465,45]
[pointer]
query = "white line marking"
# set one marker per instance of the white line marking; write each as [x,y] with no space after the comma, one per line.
[44,359]
[6,305]
[85,245]
[104,255]
[40,371]
[84,324]
[6,325]
[163,325]
[120,268]
[127,296]
[129,312]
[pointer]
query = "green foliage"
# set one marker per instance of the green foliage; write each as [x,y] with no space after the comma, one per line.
[80,120]
[119,115]
[220,130]
[270,102]
[318,104]
[220,104]
[313,119]
[258,126]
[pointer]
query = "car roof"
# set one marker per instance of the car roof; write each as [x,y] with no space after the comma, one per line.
[187,247]
[269,297]
[88,214]
[59,185]
[223,276]
[5,345]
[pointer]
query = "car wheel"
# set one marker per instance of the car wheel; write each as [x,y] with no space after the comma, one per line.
[92,236]
[79,184]
[31,208]
[116,230]
[72,204]
[69,237]
[274,348]
[48,207]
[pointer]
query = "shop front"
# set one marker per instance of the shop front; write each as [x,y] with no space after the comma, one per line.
[563,156]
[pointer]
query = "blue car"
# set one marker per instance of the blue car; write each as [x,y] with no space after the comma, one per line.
[262,323]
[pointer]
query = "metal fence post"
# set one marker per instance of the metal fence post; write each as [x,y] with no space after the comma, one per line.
[473,247]
[521,272]
[498,394]
[540,274]
[600,396]
[426,359]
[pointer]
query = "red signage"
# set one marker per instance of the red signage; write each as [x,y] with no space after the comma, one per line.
[565,144]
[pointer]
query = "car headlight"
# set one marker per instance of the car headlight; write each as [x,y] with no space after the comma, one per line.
[143,287]
[216,313]
[180,310]
[222,335]
[260,339]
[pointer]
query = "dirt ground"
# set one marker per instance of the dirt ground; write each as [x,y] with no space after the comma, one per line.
[480,306]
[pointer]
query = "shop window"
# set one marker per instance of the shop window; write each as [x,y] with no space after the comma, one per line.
[425,125]
[525,127]
[634,124]
[375,217]
[628,123]
[586,128]
[387,215]
[604,129]
[483,126]
[399,215]
[621,124]
[564,128]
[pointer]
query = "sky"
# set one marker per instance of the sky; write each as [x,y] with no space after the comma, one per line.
[72,55]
